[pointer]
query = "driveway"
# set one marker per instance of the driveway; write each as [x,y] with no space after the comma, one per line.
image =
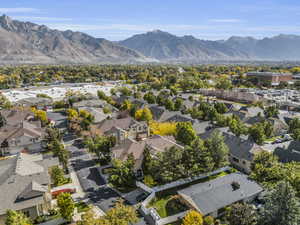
[85,168]
[92,183]
[105,198]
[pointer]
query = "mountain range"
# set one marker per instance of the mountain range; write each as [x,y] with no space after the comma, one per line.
[26,42]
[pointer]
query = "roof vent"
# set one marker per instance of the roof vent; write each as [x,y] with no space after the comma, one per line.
[235,185]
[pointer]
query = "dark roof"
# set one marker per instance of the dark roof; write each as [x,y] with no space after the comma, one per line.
[138,102]
[161,143]
[13,117]
[210,196]
[178,117]
[33,101]
[23,179]
[129,147]
[56,116]
[241,147]
[124,123]
[157,111]
[25,128]
[202,126]
[97,103]
[120,99]
[288,153]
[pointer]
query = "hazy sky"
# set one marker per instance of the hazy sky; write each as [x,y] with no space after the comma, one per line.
[119,19]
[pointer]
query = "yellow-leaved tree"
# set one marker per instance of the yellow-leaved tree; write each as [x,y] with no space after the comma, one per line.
[164,129]
[193,218]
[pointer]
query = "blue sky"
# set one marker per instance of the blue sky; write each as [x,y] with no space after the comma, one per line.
[119,19]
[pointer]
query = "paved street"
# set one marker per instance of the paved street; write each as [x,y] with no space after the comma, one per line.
[97,193]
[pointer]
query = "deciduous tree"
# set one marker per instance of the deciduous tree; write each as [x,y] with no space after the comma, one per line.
[185,133]
[66,205]
[241,214]
[16,218]
[281,207]
[192,218]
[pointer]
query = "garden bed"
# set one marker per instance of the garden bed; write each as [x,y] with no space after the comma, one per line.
[168,205]
[107,171]
[82,207]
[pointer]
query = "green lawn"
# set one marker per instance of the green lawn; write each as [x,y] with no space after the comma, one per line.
[272,139]
[107,170]
[123,189]
[168,205]
[82,207]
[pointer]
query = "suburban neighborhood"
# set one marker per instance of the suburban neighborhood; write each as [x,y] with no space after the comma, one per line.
[157,155]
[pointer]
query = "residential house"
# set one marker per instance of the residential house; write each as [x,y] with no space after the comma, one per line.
[163,115]
[23,136]
[212,197]
[178,117]
[98,114]
[241,149]
[279,126]
[25,185]
[119,100]
[58,120]
[122,129]
[127,148]
[157,143]
[16,116]
[288,151]
[154,144]
[95,103]
[20,132]
[38,102]
[202,127]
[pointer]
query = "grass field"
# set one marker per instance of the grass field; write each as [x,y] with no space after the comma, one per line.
[168,205]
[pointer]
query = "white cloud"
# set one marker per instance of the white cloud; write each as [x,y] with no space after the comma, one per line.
[225,20]
[17,10]
[38,18]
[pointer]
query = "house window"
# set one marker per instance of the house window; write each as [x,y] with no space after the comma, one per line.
[26,213]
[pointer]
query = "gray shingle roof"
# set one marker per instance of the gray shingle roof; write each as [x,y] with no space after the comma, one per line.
[23,176]
[124,123]
[210,196]
[240,147]
[32,101]
[287,151]
[90,103]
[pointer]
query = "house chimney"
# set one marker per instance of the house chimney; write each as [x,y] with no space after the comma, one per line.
[235,185]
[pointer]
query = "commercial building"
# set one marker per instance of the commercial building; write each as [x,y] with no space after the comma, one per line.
[273,78]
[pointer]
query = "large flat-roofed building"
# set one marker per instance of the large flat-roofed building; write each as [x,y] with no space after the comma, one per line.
[273,78]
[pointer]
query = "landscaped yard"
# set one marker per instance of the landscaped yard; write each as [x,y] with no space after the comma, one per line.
[167,205]
[167,202]
[82,207]
[107,171]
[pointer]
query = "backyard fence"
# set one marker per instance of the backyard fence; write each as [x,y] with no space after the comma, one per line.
[189,180]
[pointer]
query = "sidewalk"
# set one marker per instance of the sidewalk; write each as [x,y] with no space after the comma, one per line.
[80,194]
[98,212]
